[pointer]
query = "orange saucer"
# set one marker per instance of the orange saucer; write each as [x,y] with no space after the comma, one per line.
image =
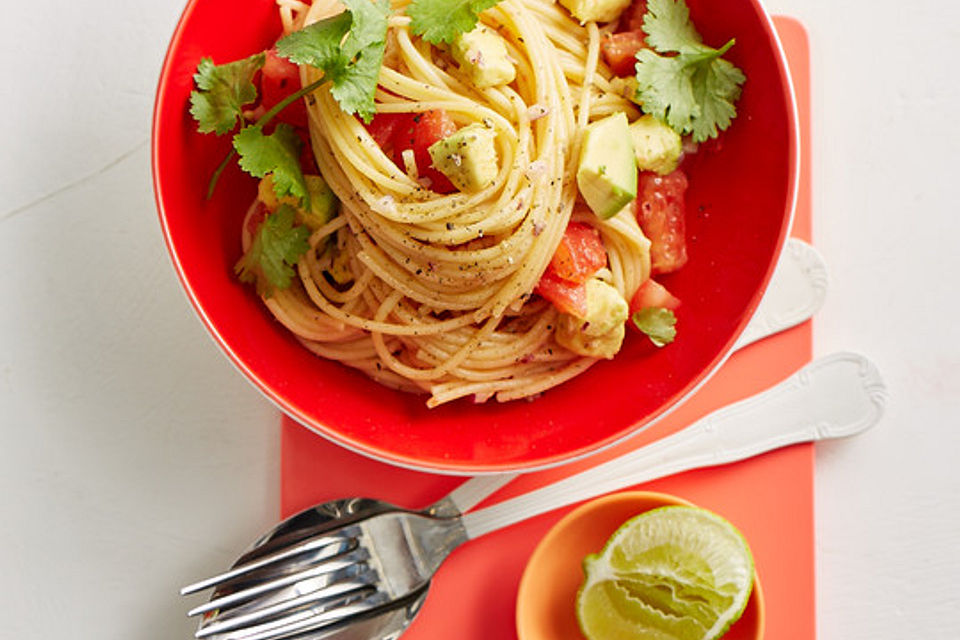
[546,599]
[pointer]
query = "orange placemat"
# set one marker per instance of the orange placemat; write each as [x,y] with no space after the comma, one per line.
[769,498]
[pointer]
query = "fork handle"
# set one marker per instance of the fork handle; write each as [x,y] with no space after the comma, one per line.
[836,396]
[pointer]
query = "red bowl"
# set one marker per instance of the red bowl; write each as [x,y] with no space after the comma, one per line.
[740,205]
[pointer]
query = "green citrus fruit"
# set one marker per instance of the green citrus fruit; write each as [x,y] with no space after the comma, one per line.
[673,573]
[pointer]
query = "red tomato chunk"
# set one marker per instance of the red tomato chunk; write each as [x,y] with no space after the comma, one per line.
[653,294]
[279,78]
[661,212]
[580,254]
[256,217]
[384,127]
[632,17]
[567,297]
[307,162]
[419,133]
[620,51]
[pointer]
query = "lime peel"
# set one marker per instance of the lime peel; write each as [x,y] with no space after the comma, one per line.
[672,573]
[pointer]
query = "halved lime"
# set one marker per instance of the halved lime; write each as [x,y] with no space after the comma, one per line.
[673,573]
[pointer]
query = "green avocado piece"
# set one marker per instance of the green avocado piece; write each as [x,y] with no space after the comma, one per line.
[656,145]
[600,333]
[323,203]
[595,10]
[607,174]
[468,157]
[483,56]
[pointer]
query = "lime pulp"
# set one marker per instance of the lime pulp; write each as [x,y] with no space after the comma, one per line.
[672,573]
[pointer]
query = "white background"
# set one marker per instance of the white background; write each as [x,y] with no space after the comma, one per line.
[133,457]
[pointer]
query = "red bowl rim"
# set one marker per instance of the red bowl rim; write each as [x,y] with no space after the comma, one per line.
[458,468]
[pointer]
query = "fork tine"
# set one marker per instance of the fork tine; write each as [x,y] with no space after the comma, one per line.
[354,557]
[341,590]
[318,544]
[305,621]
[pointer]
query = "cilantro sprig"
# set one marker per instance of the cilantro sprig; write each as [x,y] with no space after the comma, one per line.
[658,324]
[691,88]
[217,105]
[222,92]
[439,21]
[277,246]
[349,49]
[278,243]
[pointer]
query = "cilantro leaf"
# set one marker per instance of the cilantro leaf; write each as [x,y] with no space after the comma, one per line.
[717,88]
[222,90]
[318,44]
[668,26]
[658,324]
[369,25]
[277,246]
[692,89]
[277,154]
[666,91]
[439,21]
[355,89]
[349,49]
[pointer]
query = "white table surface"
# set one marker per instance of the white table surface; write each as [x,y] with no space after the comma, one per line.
[133,457]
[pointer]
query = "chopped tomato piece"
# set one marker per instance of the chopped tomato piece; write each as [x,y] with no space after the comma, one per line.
[632,17]
[256,217]
[580,254]
[419,134]
[308,163]
[567,297]
[279,78]
[384,127]
[620,51]
[653,294]
[398,132]
[661,212]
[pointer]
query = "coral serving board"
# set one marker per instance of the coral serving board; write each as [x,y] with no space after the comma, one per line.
[769,498]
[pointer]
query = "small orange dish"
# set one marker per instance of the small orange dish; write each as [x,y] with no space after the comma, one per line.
[546,600]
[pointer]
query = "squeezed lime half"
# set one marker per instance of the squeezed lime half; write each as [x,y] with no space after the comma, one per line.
[672,573]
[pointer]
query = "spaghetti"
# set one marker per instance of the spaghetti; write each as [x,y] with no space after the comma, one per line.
[437,294]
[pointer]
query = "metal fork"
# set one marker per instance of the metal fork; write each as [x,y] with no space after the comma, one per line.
[363,561]
[322,563]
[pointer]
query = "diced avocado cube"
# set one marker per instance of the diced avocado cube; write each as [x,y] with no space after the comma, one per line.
[267,195]
[482,55]
[607,174]
[595,10]
[468,157]
[657,146]
[600,333]
[323,203]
